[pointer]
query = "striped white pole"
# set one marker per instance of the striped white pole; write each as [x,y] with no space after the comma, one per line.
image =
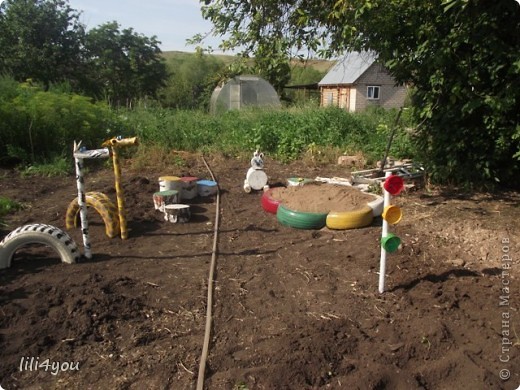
[80,183]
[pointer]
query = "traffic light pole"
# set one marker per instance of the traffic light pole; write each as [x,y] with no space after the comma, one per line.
[384,233]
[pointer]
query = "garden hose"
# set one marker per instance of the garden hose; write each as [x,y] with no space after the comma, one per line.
[209,305]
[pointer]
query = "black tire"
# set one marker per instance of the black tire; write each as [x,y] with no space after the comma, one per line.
[38,233]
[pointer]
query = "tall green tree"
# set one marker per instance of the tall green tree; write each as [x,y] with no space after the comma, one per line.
[193,76]
[462,58]
[124,66]
[40,40]
[43,40]
[254,30]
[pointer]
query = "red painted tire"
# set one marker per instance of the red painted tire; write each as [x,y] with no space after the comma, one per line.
[269,204]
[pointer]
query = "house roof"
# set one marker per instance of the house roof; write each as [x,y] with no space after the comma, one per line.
[349,69]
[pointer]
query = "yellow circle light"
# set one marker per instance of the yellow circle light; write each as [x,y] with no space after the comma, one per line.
[392,214]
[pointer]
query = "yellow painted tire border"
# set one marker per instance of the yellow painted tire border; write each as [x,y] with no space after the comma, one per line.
[341,220]
[103,205]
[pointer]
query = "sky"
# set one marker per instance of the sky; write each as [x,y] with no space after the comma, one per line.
[171,21]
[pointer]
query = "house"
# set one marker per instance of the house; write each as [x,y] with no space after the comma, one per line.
[358,81]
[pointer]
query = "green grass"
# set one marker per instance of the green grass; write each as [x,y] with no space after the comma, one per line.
[58,167]
[284,134]
[7,206]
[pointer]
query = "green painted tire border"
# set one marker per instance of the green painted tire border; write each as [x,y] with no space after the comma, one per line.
[300,219]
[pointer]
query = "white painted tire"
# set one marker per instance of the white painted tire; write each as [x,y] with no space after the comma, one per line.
[38,233]
[377,206]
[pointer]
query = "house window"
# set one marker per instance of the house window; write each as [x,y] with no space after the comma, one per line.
[330,98]
[373,92]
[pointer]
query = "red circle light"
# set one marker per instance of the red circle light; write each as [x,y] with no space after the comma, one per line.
[394,184]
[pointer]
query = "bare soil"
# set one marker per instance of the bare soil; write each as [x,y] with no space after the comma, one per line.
[293,309]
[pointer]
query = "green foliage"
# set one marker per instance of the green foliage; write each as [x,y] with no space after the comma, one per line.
[270,52]
[461,56]
[304,75]
[171,129]
[40,40]
[44,41]
[7,206]
[273,63]
[123,66]
[281,134]
[38,125]
[470,111]
[194,76]
[192,80]
[60,166]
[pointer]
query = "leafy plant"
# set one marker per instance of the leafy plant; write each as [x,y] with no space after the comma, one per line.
[59,167]
[41,40]
[7,206]
[37,125]
[123,66]
[284,134]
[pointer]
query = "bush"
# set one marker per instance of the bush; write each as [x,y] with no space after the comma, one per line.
[285,134]
[38,125]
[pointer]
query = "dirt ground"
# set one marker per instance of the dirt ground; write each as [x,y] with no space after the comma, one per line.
[293,309]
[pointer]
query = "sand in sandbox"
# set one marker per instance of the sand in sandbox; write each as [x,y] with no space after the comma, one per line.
[321,198]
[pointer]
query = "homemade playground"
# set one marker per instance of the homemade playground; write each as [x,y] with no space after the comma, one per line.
[293,308]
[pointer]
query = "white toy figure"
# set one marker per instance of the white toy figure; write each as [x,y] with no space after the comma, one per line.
[256,179]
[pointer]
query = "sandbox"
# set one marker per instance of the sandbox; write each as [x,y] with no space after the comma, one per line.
[316,205]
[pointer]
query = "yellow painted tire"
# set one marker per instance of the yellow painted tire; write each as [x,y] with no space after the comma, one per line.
[103,205]
[341,220]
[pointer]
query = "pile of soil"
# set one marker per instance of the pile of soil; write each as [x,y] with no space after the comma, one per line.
[321,198]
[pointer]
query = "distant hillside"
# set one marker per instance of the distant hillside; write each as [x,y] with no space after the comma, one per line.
[319,65]
[184,54]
